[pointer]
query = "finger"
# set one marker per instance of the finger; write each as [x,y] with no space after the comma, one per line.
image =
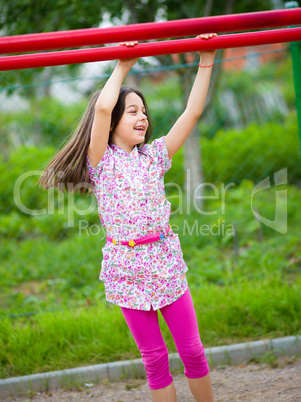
[206,36]
[124,43]
[129,44]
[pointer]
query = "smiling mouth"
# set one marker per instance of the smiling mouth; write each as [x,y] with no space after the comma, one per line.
[140,130]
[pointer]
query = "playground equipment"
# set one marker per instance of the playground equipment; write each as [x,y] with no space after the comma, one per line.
[291,16]
[148,31]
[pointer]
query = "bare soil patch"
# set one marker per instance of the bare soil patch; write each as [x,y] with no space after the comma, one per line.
[279,380]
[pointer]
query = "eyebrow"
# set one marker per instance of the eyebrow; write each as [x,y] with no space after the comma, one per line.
[135,106]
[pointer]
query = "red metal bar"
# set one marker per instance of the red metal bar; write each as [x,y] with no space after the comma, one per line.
[147,31]
[148,49]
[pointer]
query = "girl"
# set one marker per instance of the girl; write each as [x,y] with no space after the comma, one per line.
[142,268]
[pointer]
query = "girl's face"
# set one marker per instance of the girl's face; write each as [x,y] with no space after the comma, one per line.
[133,124]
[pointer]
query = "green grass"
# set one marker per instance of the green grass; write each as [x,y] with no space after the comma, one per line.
[247,311]
[243,289]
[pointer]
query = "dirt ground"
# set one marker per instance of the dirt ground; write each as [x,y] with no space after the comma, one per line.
[278,381]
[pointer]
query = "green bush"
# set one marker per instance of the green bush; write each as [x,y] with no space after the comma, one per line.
[252,153]
[28,210]
[22,168]
[46,121]
[231,156]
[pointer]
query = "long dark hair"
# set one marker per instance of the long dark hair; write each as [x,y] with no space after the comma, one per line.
[68,169]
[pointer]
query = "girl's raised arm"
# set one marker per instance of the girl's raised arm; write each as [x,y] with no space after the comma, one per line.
[103,109]
[185,123]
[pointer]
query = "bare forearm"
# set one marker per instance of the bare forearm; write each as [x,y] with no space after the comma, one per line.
[110,92]
[197,97]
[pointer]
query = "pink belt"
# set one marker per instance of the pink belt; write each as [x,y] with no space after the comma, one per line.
[141,240]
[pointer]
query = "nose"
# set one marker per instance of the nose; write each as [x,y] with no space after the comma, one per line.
[142,116]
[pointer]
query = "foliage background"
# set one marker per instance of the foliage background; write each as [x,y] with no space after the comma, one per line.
[246,286]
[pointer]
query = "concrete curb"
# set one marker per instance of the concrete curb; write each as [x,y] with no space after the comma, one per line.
[240,353]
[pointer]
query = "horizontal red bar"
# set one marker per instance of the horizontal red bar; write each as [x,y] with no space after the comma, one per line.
[148,49]
[151,30]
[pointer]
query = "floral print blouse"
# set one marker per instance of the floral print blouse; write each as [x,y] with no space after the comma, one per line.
[129,188]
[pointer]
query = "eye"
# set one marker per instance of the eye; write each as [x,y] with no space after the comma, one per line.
[132,111]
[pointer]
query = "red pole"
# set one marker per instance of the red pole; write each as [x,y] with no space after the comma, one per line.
[148,49]
[152,30]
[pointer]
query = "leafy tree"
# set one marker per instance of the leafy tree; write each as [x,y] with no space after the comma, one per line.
[24,16]
[18,17]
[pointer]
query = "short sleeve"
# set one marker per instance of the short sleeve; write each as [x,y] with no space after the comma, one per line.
[158,150]
[94,173]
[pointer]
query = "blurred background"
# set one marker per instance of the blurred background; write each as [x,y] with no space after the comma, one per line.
[241,245]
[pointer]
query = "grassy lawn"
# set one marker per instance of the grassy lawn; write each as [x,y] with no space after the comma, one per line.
[248,287]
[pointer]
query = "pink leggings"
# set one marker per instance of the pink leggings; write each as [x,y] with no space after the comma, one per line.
[182,323]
